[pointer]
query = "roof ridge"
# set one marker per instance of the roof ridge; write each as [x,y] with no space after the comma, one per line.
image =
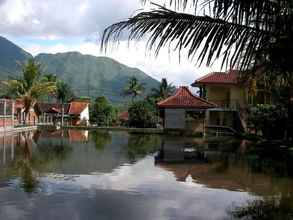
[170,97]
[208,75]
[185,92]
[201,99]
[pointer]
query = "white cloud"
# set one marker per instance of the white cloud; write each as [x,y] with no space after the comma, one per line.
[65,18]
[60,22]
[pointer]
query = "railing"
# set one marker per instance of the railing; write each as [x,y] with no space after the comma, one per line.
[227,104]
[6,114]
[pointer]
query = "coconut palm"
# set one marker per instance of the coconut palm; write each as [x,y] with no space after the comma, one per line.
[63,92]
[133,88]
[164,91]
[243,34]
[255,36]
[31,86]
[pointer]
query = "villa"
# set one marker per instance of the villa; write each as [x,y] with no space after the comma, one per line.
[76,112]
[229,94]
[223,102]
[12,113]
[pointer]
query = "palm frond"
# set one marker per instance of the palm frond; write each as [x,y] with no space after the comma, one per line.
[42,88]
[213,38]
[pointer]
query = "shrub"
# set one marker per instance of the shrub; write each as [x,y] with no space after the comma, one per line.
[103,113]
[269,119]
[142,115]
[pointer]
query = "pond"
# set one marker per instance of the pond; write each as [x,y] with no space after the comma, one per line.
[77,174]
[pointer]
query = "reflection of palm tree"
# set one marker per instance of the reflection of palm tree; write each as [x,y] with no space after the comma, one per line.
[24,166]
[29,179]
[101,139]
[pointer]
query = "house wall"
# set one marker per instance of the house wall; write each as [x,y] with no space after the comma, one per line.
[85,114]
[238,94]
[217,93]
[175,119]
[221,94]
[221,118]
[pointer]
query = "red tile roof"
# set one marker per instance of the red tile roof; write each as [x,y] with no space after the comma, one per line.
[52,107]
[185,99]
[124,116]
[230,77]
[77,107]
[73,108]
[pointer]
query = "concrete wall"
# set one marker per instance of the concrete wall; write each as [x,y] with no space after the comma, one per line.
[175,119]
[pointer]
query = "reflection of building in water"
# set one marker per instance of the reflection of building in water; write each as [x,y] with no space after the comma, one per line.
[78,135]
[72,135]
[216,169]
[9,143]
[181,149]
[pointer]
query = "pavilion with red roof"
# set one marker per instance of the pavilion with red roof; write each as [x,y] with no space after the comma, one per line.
[178,110]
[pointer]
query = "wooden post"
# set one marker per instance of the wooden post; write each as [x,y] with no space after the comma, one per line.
[12,114]
[204,127]
[4,121]
[62,115]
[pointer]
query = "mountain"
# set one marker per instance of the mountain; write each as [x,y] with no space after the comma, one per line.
[87,75]
[10,55]
[93,76]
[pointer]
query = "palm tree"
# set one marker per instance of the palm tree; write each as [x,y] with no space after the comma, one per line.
[164,91]
[63,94]
[243,34]
[133,88]
[31,86]
[255,36]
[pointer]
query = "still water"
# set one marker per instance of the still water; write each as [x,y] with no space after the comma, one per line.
[75,174]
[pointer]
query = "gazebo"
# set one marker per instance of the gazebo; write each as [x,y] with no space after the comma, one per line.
[184,111]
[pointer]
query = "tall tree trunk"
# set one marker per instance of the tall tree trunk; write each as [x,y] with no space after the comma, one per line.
[290,114]
[62,114]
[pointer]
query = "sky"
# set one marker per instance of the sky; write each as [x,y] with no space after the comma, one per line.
[53,26]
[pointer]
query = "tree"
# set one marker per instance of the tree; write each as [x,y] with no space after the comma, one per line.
[164,91]
[63,92]
[103,113]
[242,33]
[142,115]
[31,86]
[255,36]
[133,88]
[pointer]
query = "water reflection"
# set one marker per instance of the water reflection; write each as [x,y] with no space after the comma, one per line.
[78,174]
[269,208]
